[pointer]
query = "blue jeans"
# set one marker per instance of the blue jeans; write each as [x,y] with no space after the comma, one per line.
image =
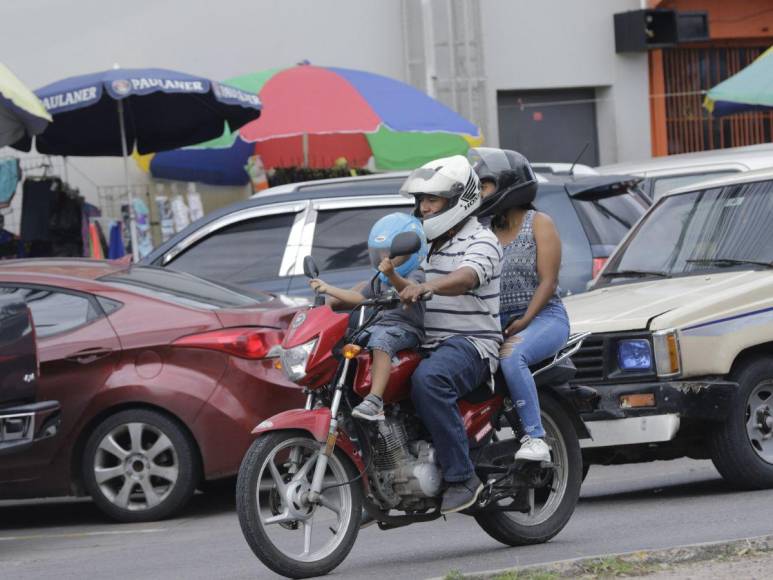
[543,338]
[391,339]
[452,370]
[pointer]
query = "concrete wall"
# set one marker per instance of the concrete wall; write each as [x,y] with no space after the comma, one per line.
[552,44]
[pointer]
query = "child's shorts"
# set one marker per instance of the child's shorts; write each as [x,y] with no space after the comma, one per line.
[391,339]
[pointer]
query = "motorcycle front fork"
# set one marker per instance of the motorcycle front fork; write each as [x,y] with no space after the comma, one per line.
[332,433]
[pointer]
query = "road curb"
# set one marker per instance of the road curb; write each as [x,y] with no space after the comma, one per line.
[641,558]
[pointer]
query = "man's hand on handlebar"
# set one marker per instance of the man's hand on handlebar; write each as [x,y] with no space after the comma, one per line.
[414,293]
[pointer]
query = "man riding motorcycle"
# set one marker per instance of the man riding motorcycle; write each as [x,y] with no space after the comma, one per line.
[462,328]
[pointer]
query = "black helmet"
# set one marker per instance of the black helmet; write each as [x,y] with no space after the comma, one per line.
[516,184]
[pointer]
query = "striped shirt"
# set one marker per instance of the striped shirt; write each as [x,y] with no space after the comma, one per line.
[474,314]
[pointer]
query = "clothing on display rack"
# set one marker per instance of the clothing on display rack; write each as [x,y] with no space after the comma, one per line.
[10,174]
[182,216]
[116,249]
[51,218]
[142,217]
[10,244]
[89,211]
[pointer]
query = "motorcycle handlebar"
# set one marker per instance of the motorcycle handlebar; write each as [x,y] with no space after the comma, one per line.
[392,300]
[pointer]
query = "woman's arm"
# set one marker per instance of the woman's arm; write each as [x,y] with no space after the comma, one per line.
[548,264]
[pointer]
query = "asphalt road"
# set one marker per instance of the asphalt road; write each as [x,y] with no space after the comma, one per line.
[624,508]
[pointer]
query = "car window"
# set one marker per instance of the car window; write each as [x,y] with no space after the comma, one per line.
[706,230]
[184,289]
[575,250]
[341,236]
[241,253]
[607,220]
[54,312]
[661,185]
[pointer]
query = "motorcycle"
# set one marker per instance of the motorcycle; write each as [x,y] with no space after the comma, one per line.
[313,475]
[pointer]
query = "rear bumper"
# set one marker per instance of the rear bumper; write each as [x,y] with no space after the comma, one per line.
[613,424]
[23,425]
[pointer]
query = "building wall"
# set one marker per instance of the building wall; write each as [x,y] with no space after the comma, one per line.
[552,44]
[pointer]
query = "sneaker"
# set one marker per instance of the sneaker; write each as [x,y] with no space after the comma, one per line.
[461,495]
[371,409]
[533,449]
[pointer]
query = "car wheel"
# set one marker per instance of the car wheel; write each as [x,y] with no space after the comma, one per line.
[742,448]
[139,465]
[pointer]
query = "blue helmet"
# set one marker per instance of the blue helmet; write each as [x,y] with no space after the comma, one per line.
[380,239]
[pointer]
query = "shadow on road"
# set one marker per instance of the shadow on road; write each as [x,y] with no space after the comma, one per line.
[49,513]
[648,492]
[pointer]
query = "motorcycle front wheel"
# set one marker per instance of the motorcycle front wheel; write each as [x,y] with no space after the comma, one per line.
[288,534]
[553,505]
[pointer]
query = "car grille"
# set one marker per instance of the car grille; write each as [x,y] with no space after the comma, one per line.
[589,360]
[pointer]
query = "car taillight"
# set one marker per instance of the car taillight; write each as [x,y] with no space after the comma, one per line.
[598,264]
[250,343]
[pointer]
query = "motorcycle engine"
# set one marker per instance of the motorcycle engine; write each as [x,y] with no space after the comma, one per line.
[406,471]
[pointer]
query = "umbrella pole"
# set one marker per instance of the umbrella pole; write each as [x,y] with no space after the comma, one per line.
[305,142]
[132,215]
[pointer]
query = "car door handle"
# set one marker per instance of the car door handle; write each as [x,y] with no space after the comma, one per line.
[89,355]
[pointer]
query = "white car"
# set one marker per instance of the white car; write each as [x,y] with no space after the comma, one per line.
[682,347]
[662,174]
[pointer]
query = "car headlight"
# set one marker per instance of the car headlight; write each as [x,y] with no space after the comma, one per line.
[667,356]
[294,360]
[634,355]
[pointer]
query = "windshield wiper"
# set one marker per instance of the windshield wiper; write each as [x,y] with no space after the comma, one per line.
[635,274]
[727,262]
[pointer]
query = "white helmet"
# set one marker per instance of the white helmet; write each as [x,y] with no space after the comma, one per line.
[451,178]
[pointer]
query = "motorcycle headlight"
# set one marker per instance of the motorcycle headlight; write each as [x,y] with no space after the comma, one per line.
[294,360]
[667,356]
[634,355]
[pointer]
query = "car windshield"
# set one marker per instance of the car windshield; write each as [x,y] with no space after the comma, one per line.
[183,289]
[707,230]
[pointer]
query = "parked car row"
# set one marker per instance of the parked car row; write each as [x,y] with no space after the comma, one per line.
[161,370]
[261,243]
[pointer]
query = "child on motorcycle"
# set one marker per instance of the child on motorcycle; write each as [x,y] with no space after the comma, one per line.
[395,330]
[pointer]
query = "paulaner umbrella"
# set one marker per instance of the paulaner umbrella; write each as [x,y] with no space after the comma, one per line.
[21,112]
[116,111]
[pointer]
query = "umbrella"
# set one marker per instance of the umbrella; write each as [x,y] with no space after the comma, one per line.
[751,89]
[117,111]
[320,114]
[21,112]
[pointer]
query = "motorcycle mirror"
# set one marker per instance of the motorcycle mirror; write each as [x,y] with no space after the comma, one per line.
[310,267]
[404,244]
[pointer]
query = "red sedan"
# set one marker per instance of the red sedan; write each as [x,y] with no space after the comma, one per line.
[161,377]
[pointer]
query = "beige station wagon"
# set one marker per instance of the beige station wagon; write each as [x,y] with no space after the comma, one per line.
[682,347]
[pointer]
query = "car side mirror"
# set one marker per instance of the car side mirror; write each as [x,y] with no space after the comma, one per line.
[310,267]
[404,244]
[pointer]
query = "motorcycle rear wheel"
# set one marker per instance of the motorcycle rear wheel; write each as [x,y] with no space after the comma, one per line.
[552,507]
[277,522]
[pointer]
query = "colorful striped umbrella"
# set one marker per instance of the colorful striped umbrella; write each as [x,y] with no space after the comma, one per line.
[316,115]
[751,89]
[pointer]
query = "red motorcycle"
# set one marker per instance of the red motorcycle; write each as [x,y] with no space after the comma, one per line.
[310,473]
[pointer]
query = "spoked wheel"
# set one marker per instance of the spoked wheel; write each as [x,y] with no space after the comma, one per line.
[551,505]
[289,534]
[140,465]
